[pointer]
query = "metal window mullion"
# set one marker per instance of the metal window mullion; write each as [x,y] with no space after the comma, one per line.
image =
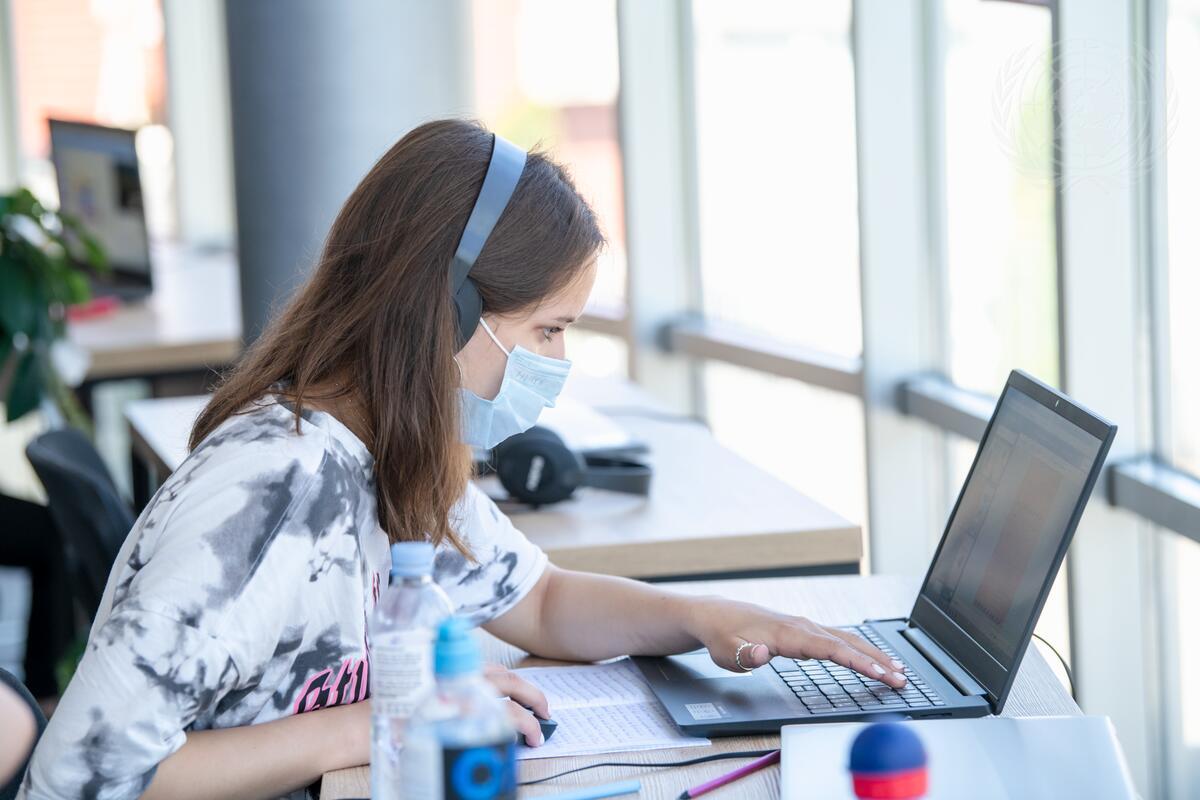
[199,113]
[1151,16]
[1111,560]
[1151,184]
[10,129]
[905,467]
[605,322]
[1144,484]
[1167,511]
[934,70]
[714,340]
[950,408]
[1158,493]
[655,123]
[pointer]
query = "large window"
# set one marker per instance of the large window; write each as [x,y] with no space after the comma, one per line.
[546,74]
[999,225]
[1183,620]
[773,90]
[1181,557]
[1183,234]
[778,217]
[999,193]
[598,354]
[809,437]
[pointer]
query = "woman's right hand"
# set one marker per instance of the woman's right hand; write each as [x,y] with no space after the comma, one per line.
[524,700]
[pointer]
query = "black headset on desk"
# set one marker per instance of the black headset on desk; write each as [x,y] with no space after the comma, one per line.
[534,467]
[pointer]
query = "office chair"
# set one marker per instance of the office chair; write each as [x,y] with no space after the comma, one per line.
[86,507]
[9,790]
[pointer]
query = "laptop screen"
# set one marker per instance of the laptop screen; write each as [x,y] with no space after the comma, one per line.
[1005,539]
[99,184]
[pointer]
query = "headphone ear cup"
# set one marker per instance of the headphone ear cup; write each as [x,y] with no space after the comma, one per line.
[468,308]
[536,467]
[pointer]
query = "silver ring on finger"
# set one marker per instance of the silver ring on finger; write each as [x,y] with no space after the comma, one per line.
[737,657]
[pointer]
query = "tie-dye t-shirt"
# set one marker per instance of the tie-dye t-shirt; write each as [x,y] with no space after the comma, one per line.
[241,596]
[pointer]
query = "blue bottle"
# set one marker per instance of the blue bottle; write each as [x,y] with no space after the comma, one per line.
[461,744]
[400,634]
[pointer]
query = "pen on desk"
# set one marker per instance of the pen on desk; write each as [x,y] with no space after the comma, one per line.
[730,777]
[597,792]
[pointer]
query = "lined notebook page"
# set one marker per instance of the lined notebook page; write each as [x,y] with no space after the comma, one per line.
[602,708]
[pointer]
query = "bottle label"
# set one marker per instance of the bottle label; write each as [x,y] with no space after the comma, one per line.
[480,772]
[487,772]
[401,672]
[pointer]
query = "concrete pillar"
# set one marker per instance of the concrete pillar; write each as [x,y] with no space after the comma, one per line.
[318,91]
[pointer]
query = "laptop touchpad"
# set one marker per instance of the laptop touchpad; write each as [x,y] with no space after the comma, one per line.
[698,665]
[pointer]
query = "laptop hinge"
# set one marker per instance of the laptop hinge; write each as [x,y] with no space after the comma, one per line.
[942,662]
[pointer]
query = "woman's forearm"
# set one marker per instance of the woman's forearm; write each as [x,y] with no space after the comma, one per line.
[587,617]
[265,760]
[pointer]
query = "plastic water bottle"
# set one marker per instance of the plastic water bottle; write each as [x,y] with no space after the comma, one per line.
[400,634]
[461,744]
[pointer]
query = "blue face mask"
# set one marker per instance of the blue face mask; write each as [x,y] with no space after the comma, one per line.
[531,382]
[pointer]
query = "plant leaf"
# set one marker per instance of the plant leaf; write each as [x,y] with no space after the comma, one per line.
[18,296]
[26,391]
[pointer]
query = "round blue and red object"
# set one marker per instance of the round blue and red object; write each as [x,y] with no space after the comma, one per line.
[888,762]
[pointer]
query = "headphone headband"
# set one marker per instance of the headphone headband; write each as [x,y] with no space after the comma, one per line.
[503,173]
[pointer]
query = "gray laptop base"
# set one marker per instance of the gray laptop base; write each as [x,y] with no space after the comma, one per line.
[706,700]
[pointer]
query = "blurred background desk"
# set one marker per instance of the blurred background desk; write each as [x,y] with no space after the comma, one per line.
[710,513]
[832,600]
[190,326]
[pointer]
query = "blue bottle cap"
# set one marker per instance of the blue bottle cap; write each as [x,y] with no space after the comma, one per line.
[412,559]
[455,652]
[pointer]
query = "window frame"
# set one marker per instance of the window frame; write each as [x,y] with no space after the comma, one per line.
[911,407]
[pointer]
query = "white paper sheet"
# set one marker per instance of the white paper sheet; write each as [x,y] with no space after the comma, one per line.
[602,708]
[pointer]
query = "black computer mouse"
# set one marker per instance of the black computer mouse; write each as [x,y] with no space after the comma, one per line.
[548,726]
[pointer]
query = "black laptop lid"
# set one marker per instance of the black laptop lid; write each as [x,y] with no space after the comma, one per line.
[1006,537]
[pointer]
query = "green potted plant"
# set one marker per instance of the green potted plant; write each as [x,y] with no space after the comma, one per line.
[40,275]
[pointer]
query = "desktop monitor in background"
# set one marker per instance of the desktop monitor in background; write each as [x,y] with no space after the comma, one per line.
[99,183]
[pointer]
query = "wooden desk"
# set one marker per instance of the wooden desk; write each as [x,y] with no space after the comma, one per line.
[832,600]
[192,321]
[710,512]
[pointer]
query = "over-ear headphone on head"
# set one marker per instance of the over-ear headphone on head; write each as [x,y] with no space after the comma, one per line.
[503,173]
[537,467]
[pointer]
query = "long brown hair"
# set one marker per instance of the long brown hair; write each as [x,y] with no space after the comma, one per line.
[376,314]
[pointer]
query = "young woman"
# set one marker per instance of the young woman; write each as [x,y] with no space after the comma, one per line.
[229,656]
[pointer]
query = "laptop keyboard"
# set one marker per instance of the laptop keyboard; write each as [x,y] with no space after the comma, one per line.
[826,687]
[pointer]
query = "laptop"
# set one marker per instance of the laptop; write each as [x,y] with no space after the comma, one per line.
[970,626]
[99,183]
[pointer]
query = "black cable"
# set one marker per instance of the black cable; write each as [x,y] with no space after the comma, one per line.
[1063,661]
[655,764]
